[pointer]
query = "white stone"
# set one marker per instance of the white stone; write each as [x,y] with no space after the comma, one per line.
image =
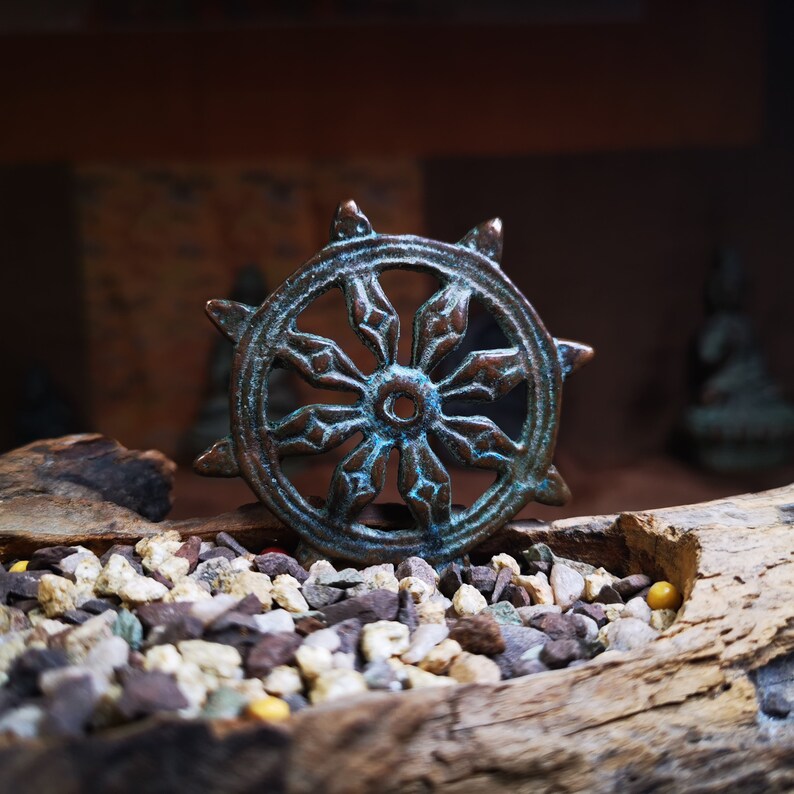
[637,608]
[319,567]
[11,646]
[70,563]
[207,610]
[432,611]
[337,684]
[142,590]
[372,571]
[566,584]
[174,568]
[505,561]
[250,688]
[243,583]
[209,572]
[241,564]
[593,583]
[538,587]
[155,550]
[418,678]
[50,681]
[187,590]
[87,569]
[279,620]
[223,661]
[468,600]
[107,655]
[424,639]
[116,573]
[384,639]
[613,611]
[472,668]
[439,659]
[419,589]
[384,580]
[287,595]
[56,595]
[165,658]
[627,634]
[324,638]
[344,661]
[195,685]
[81,639]
[22,722]
[527,613]
[313,661]
[283,680]
[662,619]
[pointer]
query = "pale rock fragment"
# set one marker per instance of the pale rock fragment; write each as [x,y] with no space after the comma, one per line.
[440,658]
[116,573]
[313,661]
[174,568]
[424,639]
[593,583]
[207,610]
[187,590]
[155,550]
[142,590]
[419,589]
[384,639]
[324,638]
[468,600]
[637,608]
[627,634]
[165,658]
[418,678]
[283,680]
[243,583]
[56,595]
[286,593]
[505,561]
[275,622]
[538,587]
[566,584]
[336,684]
[432,611]
[662,619]
[472,668]
[214,658]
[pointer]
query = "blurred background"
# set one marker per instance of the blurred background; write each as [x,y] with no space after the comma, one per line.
[155,154]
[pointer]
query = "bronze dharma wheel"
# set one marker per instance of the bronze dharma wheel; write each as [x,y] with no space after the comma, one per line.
[268,337]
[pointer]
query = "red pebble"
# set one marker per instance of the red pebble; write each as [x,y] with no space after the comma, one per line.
[276,550]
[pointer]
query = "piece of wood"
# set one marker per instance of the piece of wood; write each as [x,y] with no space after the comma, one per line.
[680,714]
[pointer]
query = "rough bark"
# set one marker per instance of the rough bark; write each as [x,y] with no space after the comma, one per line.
[681,714]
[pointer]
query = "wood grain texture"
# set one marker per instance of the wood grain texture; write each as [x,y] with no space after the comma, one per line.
[680,714]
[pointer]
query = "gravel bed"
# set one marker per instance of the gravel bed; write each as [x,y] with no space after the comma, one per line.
[211,630]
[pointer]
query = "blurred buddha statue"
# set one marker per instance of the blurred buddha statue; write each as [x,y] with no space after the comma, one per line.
[741,421]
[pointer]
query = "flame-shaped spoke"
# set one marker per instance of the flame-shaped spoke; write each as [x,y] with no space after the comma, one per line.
[358,478]
[439,326]
[317,428]
[476,441]
[424,485]
[321,362]
[484,375]
[373,317]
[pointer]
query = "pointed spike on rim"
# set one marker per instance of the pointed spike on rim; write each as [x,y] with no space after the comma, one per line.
[572,355]
[349,222]
[218,460]
[230,317]
[553,490]
[486,239]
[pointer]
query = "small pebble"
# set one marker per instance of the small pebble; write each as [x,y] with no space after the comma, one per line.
[383,639]
[538,587]
[468,600]
[423,640]
[566,584]
[637,608]
[469,668]
[283,680]
[626,634]
[662,619]
[663,595]
[269,709]
[336,684]
[440,658]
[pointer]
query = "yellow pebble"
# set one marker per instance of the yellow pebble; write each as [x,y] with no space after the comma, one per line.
[663,595]
[269,709]
[19,566]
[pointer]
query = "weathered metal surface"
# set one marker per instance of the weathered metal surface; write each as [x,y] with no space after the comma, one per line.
[268,337]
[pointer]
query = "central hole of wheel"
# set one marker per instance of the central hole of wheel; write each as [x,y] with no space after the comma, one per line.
[402,406]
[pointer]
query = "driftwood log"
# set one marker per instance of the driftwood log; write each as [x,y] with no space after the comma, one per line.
[681,714]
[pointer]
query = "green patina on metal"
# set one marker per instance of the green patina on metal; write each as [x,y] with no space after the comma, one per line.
[268,337]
